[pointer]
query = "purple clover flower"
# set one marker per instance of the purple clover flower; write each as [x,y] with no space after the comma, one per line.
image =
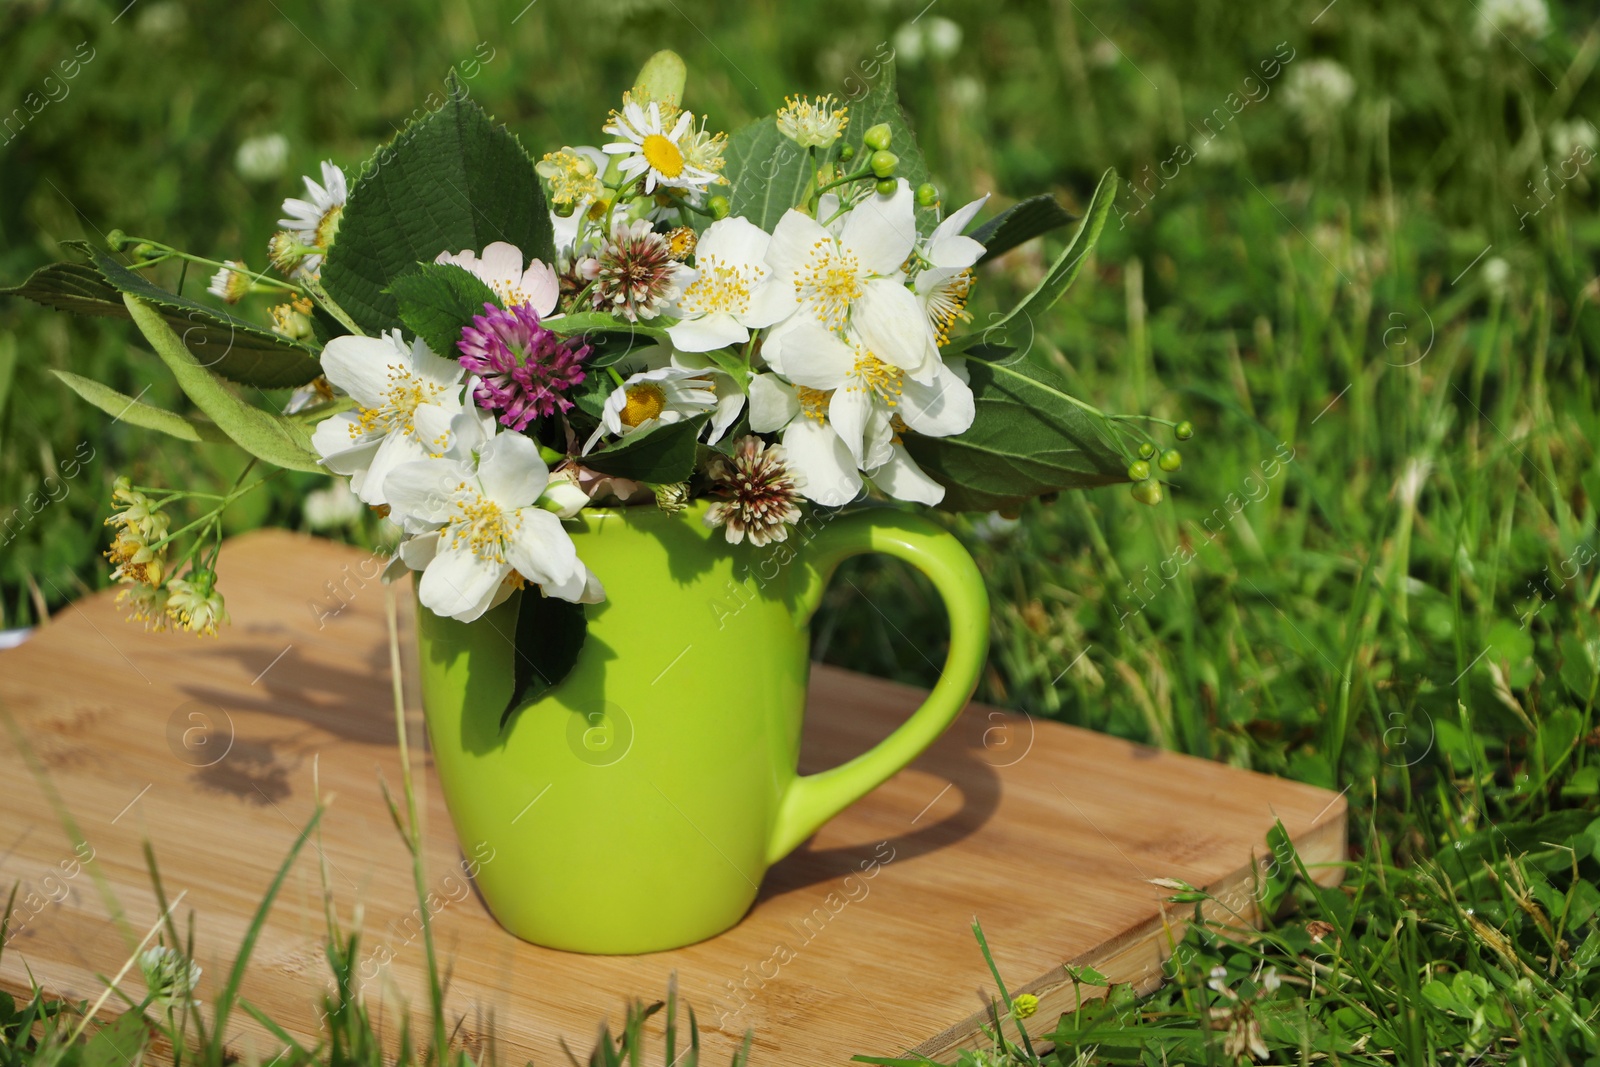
[522,367]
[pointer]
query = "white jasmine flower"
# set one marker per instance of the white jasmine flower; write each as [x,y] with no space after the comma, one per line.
[231,282]
[1525,19]
[656,152]
[855,278]
[500,268]
[1317,90]
[812,124]
[479,507]
[943,283]
[315,222]
[261,158]
[406,397]
[729,292]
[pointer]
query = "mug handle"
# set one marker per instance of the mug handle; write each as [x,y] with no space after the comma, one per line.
[813,799]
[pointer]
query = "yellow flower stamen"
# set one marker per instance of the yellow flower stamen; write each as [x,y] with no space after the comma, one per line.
[720,288]
[948,304]
[484,525]
[813,402]
[873,375]
[646,401]
[399,406]
[830,281]
[662,155]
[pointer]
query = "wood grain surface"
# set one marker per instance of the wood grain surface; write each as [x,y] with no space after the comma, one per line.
[214,750]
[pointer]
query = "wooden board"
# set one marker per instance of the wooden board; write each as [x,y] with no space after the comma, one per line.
[208,749]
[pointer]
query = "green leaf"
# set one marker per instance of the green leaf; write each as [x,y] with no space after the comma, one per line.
[612,339]
[451,181]
[1028,437]
[123,408]
[769,173]
[236,348]
[1022,221]
[661,455]
[550,634]
[277,440]
[438,300]
[1063,272]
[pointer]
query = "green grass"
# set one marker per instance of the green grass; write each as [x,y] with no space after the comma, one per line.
[1404,609]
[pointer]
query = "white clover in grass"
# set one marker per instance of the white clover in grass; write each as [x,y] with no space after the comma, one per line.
[1512,19]
[657,147]
[945,280]
[729,291]
[500,267]
[481,524]
[169,977]
[406,397]
[853,274]
[315,222]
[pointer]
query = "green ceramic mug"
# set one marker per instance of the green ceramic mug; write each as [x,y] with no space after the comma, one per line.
[638,805]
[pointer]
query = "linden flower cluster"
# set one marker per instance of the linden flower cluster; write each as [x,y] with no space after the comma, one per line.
[151,595]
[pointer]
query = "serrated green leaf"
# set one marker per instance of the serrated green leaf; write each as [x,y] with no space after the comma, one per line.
[661,455]
[1027,438]
[1022,221]
[123,408]
[1063,272]
[451,181]
[550,634]
[239,350]
[438,300]
[277,440]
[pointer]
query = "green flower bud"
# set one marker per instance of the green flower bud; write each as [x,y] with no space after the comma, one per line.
[887,186]
[564,210]
[115,240]
[883,163]
[927,195]
[847,153]
[1147,450]
[1146,492]
[877,137]
[719,206]
[1170,460]
[1184,430]
[1139,470]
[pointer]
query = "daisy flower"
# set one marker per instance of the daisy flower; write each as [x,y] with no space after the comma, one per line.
[500,268]
[730,291]
[482,520]
[406,397]
[854,277]
[657,152]
[665,394]
[231,283]
[315,222]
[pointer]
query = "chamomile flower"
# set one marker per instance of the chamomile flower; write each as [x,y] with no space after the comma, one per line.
[316,221]
[665,394]
[231,283]
[500,267]
[406,397]
[649,148]
[812,124]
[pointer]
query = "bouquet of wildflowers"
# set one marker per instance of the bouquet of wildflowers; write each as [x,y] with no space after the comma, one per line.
[484,345]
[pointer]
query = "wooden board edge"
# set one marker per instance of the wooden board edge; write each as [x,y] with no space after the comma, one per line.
[1137,956]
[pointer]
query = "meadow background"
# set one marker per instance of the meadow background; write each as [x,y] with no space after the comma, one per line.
[1368,278]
